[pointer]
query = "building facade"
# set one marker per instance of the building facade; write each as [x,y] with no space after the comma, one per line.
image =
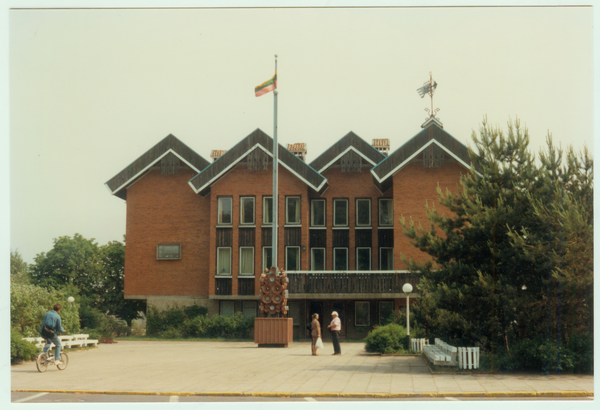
[200,232]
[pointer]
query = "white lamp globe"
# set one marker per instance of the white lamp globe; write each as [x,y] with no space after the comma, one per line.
[71,299]
[407,288]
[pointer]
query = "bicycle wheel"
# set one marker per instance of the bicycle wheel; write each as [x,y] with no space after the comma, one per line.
[41,362]
[65,361]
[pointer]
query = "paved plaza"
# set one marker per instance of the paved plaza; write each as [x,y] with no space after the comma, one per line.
[191,367]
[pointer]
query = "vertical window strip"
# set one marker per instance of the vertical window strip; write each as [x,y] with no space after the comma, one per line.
[247,260]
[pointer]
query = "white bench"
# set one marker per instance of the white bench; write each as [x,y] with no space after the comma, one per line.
[416,345]
[441,354]
[468,358]
[66,341]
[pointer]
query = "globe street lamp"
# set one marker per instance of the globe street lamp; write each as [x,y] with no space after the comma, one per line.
[71,299]
[407,288]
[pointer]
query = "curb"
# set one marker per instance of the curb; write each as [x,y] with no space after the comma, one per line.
[554,394]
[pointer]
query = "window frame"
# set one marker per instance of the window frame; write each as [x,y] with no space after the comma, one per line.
[287,248]
[220,211]
[226,302]
[335,259]
[381,259]
[287,217]
[368,200]
[392,210]
[249,303]
[219,248]
[370,257]
[158,246]
[240,264]
[264,259]
[242,198]
[265,214]
[335,224]
[312,219]
[368,304]
[312,258]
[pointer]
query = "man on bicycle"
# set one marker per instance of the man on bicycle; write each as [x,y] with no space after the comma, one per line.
[52,321]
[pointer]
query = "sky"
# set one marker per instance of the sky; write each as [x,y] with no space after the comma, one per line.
[90,90]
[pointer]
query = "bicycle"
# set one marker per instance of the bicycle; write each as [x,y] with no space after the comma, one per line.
[45,359]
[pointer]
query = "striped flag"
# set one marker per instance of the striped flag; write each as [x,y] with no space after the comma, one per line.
[427,88]
[266,87]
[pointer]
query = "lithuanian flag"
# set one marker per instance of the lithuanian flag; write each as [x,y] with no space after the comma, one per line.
[266,87]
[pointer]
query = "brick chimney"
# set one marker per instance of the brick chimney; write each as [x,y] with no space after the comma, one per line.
[298,149]
[216,153]
[382,145]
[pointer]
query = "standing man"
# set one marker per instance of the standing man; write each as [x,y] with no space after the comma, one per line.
[335,326]
[53,322]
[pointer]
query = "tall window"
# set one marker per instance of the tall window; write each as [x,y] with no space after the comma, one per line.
[340,212]
[386,216]
[292,210]
[386,310]
[249,309]
[246,260]
[340,258]
[224,261]
[168,252]
[317,212]
[247,210]
[317,259]
[267,257]
[226,307]
[363,258]
[292,258]
[224,210]
[268,210]
[362,314]
[386,259]
[363,212]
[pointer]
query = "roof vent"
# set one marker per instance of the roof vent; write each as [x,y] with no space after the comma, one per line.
[216,153]
[298,149]
[382,145]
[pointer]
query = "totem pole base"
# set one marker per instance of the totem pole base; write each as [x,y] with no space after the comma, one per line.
[273,331]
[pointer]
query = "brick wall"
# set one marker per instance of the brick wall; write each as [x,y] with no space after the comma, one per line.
[351,186]
[163,209]
[414,185]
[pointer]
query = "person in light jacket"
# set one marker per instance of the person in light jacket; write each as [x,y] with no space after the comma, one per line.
[335,327]
[53,321]
[315,331]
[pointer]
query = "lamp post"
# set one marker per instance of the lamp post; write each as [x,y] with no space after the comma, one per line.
[71,299]
[407,288]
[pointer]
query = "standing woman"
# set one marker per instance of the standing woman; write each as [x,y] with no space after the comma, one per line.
[315,331]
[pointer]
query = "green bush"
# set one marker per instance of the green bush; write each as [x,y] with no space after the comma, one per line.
[29,303]
[194,311]
[543,355]
[386,339]
[21,349]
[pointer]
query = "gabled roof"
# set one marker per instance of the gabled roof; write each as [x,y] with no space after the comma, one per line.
[431,134]
[349,142]
[169,145]
[202,182]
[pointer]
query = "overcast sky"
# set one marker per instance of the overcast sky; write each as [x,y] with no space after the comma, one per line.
[92,90]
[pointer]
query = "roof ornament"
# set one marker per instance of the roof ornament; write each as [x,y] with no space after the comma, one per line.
[429,88]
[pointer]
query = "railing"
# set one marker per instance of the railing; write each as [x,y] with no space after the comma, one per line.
[223,286]
[246,286]
[350,281]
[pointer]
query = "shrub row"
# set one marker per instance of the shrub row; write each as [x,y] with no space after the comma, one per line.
[193,321]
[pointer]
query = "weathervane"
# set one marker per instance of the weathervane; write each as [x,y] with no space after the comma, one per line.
[429,88]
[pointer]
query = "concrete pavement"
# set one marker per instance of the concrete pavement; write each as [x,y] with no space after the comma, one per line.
[241,368]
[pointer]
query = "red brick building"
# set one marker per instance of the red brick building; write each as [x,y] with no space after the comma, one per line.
[200,232]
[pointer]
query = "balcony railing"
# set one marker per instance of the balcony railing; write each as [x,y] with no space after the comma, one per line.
[350,281]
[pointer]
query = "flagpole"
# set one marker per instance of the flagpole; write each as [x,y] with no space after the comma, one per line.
[275,176]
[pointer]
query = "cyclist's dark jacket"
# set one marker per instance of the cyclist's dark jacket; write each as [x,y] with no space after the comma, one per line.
[52,320]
